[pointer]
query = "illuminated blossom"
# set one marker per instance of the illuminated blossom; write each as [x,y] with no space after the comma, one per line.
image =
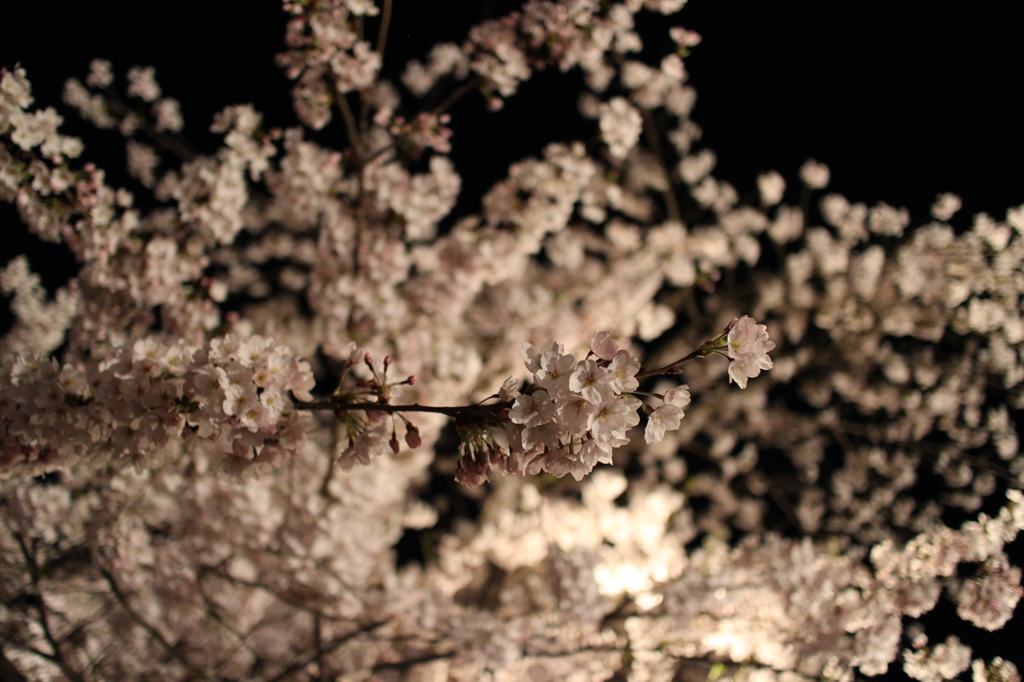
[228,443]
[748,348]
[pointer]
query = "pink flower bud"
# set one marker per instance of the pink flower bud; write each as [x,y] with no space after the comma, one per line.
[412,436]
[470,472]
[411,380]
[394,442]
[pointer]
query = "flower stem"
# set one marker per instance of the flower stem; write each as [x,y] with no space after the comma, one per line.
[706,349]
[672,368]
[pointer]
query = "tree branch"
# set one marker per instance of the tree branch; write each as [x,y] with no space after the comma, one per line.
[153,632]
[453,412]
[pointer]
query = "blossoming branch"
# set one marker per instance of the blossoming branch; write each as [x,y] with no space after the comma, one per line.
[175,503]
[568,420]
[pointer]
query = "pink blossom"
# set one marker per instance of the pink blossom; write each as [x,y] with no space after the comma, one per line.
[611,420]
[177,504]
[574,413]
[678,396]
[533,409]
[555,372]
[593,382]
[664,418]
[748,347]
[624,368]
[603,346]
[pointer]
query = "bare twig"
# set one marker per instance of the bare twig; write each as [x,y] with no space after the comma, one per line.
[654,144]
[332,406]
[39,603]
[172,650]
[385,22]
[471,84]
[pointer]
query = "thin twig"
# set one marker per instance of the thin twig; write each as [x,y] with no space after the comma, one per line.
[471,84]
[319,642]
[174,652]
[654,144]
[493,408]
[40,605]
[673,368]
[382,34]
[171,143]
[334,644]
[357,238]
[351,127]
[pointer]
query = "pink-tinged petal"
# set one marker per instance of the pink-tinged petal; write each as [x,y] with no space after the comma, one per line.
[603,347]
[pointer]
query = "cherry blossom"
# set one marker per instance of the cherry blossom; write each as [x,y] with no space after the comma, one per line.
[302,412]
[664,418]
[533,410]
[748,347]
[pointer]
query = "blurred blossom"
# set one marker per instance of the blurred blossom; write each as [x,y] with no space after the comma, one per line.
[296,417]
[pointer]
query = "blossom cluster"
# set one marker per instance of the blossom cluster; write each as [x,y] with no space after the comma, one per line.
[796,530]
[326,56]
[579,411]
[575,413]
[29,130]
[145,404]
[365,431]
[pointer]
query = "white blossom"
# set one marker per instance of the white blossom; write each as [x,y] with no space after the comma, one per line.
[228,441]
[815,174]
[771,185]
[748,347]
[946,205]
[621,125]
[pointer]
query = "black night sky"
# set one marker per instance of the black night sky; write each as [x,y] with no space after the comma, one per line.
[901,100]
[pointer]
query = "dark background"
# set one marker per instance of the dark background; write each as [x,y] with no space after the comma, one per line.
[902,100]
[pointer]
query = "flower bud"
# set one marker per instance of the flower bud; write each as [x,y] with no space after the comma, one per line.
[412,436]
